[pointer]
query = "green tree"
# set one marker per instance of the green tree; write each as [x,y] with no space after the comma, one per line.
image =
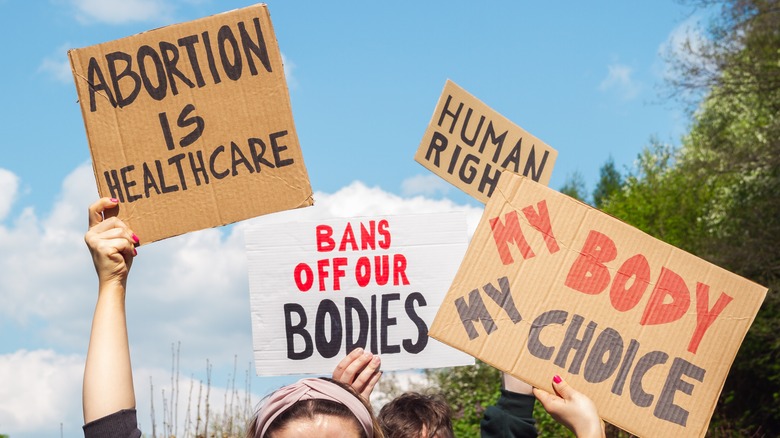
[469,390]
[717,195]
[737,137]
[610,181]
[711,199]
[574,186]
[738,48]
[734,147]
[661,200]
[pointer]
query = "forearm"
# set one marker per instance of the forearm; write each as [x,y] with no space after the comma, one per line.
[593,430]
[513,384]
[108,377]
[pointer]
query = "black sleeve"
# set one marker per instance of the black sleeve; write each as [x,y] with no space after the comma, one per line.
[512,416]
[122,424]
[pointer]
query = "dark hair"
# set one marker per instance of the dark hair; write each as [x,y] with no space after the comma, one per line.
[412,413]
[310,408]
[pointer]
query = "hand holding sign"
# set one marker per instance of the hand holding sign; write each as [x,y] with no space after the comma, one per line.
[111,242]
[360,370]
[571,408]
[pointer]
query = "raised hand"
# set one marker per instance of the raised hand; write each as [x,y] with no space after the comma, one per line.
[571,408]
[111,243]
[360,370]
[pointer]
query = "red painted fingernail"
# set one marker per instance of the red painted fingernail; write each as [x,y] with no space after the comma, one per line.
[114,200]
[135,252]
[135,238]
[557,378]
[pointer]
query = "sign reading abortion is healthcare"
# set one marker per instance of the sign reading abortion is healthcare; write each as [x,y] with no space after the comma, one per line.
[190,125]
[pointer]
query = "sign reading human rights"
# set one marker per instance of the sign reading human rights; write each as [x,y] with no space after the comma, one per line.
[552,286]
[469,145]
[321,289]
[190,125]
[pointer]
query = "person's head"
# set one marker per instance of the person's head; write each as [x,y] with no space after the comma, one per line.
[314,407]
[416,415]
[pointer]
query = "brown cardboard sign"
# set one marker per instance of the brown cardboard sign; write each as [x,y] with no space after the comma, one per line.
[469,145]
[190,125]
[552,286]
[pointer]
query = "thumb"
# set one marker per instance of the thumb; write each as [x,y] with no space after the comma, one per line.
[562,388]
[545,398]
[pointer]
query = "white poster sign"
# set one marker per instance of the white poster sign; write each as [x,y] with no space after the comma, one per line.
[320,289]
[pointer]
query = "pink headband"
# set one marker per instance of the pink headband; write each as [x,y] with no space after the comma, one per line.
[306,389]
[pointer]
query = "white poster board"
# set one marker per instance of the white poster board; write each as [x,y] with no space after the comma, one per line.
[320,289]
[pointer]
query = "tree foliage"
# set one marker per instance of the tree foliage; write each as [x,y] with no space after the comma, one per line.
[738,48]
[718,195]
[469,391]
[660,200]
[574,186]
[610,181]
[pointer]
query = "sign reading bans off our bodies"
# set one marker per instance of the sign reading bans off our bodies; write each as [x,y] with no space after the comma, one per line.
[320,289]
[190,125]
[552,286]
[470,145]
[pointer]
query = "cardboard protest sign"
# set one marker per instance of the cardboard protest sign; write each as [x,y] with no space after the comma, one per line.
[190,126]
[320,289]
[552,286]
[469,145]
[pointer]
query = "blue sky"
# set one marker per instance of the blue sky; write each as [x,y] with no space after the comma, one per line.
[364,78]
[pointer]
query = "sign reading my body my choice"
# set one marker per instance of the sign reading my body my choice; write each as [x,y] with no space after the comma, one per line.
[321,289]
[190,125]
[552,286]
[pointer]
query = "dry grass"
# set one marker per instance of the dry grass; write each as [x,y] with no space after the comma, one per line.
[202,419]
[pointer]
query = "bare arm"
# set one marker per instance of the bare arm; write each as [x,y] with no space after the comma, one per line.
[513,384]
[108,377]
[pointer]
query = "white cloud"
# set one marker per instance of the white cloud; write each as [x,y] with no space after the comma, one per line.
[45,270]
[357,199]
[40,390]
[619,79]
[57,66]
[428,185]
[289,66]
[9,187]
[121,11]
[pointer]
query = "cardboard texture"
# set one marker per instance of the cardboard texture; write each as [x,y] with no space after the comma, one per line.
[552,286]
[190,125]
[320,289]
[469,145]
